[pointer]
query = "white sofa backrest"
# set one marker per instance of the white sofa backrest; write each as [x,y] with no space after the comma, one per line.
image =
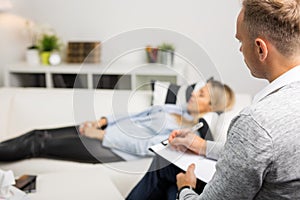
[6,97]
[26,109]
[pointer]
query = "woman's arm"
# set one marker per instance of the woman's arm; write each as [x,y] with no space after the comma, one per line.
[93,132]
[100,124]
[94,129]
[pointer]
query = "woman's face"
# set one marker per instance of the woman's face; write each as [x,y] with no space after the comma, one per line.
[200,101]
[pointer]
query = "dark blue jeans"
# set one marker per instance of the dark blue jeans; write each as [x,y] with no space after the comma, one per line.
[159,182]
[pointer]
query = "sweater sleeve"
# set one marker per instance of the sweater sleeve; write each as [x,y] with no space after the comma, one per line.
[244,162]
[213,149]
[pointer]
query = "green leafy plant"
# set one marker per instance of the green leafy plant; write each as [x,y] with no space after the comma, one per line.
[166,47]
[49,43]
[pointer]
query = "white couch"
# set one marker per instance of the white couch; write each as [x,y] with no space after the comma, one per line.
[26,109]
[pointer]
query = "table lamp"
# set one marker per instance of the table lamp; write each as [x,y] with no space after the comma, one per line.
[5,5]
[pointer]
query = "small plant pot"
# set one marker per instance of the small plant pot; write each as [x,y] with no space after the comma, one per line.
[45,55]
[32,57]
[166,57]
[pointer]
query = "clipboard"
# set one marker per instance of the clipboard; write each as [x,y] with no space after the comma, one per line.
[205,168]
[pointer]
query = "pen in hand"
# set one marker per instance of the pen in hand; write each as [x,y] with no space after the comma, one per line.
[197,126]
[193,129]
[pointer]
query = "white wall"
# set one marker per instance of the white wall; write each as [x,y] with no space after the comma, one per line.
[211,24]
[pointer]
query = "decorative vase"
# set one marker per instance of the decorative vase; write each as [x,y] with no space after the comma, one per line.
[166,57]
[45,55]
[32,57]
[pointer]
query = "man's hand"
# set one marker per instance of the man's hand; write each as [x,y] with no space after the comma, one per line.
[184,139]
[187,179]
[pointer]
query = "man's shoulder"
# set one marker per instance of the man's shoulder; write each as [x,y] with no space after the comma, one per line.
[282,104]
[279,101]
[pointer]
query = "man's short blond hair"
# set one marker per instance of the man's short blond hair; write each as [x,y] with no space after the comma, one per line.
[276,20]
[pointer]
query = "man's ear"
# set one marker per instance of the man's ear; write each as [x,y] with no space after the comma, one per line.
[262,49]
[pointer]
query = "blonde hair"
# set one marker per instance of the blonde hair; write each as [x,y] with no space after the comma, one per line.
[276,20]
[222,97]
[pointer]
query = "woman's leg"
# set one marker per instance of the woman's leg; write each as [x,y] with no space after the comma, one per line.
[28,144]
[77,148]
[60,143]
[18,148]
[60,132]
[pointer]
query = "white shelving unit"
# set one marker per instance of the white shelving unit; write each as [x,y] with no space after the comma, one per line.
[90,76]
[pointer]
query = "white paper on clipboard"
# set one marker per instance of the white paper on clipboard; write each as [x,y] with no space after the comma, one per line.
[205,168]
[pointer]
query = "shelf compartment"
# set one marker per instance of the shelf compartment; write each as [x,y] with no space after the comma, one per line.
[28,79]
[112,81]
[69,80]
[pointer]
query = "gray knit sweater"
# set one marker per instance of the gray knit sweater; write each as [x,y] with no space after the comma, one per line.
[261,158]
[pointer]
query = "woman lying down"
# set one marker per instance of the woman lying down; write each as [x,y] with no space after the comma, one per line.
[123,138]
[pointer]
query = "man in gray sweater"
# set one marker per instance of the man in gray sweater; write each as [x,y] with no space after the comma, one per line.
[261,158]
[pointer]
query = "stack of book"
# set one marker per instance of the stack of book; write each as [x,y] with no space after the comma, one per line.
[78,52]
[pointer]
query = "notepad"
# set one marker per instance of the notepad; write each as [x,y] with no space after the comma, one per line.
[205,168]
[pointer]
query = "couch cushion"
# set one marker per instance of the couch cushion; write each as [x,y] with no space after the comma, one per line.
[32,109]
[6,98]
[124,175]
[48,108]
[75,185]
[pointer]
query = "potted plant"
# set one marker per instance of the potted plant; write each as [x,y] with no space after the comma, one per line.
[47,44]
[166,53]
[32,55]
